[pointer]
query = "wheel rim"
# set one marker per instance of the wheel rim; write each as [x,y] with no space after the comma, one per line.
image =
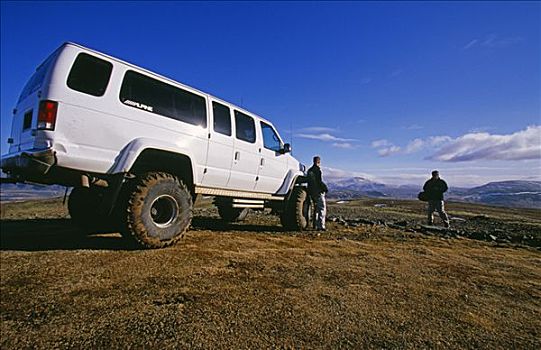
[164,211]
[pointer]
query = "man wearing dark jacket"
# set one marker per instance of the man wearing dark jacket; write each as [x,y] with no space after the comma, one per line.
[317,190]
[434,189]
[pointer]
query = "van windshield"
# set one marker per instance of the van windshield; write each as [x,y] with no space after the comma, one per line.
[34,83]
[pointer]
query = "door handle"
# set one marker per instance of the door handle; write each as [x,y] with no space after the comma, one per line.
[262,162]
[237,155]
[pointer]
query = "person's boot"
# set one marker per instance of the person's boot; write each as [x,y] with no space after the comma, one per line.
[446,224]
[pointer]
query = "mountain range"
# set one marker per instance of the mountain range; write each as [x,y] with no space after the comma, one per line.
[20,192]
[515,193]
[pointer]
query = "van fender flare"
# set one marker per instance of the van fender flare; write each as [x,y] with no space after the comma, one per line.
[127,158]
[129,154]
[289,181]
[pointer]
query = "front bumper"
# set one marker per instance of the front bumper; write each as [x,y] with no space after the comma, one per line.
[29,163]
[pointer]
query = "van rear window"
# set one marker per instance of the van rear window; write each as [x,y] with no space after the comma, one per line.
[36,80]
[151,95]
[90,75]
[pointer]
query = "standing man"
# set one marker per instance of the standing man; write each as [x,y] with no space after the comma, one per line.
[317,190]
[434,189]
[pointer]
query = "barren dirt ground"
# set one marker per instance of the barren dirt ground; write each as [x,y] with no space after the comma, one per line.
[253,285]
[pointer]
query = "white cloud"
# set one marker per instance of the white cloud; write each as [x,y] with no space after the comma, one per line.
[385,148]
[438,140]
[471,44]
[414,146]
[388,151]
[413,127]
[525,144]
[333,173]
[418,144]
[319,129]
[480,129]
[521,145]
[493,41]
[324,137]
[380,143]
[345,145]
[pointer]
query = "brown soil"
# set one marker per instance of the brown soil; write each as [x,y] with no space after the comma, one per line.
[253,285]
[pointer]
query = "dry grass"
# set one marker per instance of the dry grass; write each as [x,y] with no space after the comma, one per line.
[254,286]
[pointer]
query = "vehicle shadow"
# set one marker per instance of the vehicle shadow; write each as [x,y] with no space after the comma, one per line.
[54,234]
[61,234]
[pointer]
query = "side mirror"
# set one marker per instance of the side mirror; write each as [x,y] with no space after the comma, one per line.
[286,148]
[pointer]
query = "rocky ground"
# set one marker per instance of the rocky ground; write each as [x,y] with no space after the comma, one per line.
[375,279]
[494,224]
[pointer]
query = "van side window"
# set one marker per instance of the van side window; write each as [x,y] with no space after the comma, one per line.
[222,118]
[151,95]
[245,127]
[90,75]
[270,138]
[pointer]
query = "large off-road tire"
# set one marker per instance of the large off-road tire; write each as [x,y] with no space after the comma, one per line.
[229,214]
[297,214]
[159,210]
[84,209]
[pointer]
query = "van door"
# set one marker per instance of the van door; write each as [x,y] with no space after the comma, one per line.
[272,164]
[26,113]
[246,154]
[220,149]
[24,120]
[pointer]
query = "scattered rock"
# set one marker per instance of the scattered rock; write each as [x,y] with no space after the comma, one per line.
[455,218]
[402,223]
[479,217]
[479,227]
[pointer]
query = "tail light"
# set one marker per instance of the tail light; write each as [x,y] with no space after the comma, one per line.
[47,115]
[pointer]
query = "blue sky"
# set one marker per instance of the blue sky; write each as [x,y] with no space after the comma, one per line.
[386,90]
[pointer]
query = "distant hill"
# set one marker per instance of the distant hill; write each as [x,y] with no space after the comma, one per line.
[354,187]
[508,187]
[525,194]
[516,193]
[22,192]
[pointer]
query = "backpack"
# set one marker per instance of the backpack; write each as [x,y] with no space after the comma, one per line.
[422,196]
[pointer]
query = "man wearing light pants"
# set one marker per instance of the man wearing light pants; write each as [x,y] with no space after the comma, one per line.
[317,190]
[434,189]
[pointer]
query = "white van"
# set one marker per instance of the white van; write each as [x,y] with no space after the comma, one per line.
[138,147]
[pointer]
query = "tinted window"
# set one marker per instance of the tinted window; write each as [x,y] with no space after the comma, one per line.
[222,119]
[270,138]
[27,121]
[245,127]
[90,75]
[151,95]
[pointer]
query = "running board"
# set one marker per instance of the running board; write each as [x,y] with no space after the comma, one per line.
[240,202]
[236,194]
[248,203]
